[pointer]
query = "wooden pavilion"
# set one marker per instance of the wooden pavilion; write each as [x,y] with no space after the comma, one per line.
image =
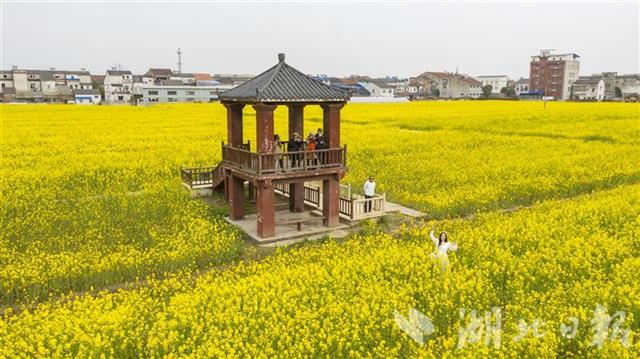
[265,167]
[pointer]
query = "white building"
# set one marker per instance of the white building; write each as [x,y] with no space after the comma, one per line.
[378,88]
[449,85]
[152,94]
[43,85]
[588,88]
[118,86]
[186,79]
[522,86]
[628,84]
[497,82]
[87,96]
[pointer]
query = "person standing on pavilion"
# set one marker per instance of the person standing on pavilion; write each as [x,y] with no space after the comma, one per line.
[295,145]
[321,144]
[277,149]
[369,192]
[311,150]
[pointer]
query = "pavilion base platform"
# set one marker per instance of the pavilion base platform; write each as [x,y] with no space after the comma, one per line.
[289,233]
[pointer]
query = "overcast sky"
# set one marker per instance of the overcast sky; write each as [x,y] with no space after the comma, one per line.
[320,38]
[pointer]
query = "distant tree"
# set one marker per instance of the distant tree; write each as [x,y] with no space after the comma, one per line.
[508,92]
[618,92]
[100,88]
[486,91]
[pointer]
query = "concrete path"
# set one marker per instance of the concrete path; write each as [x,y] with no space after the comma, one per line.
[395,207]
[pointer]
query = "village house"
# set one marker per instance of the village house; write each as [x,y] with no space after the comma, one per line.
[378,88]
[628,85]
[168,91]
[204,79]
[51,85]
[522,86]
[157,74]
[118,86]
[497,82]
[87,96]
[449,85]
[588,88]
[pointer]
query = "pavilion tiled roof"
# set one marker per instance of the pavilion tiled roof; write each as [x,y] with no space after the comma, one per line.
[283,83]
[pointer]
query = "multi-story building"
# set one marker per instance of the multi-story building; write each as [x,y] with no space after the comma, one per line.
[497,82]
[378,88]
[522,86]
[627,85]
[42,85]
[588,88]
[158,75]
[118,86]
[475,86]
[553,74]
[179,93]
[613,86]
[449,85]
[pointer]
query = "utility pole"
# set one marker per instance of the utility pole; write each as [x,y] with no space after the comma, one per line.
[179,52]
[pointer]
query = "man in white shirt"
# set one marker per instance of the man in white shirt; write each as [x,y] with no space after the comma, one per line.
[369,191]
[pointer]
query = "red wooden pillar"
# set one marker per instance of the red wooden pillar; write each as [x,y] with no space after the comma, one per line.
[265,199]
[236,197]
[330,202]
[264,127]
[296,125]
[265,203]
[331,187]
[296,120]
[331,123]
[234,186]
[234,124]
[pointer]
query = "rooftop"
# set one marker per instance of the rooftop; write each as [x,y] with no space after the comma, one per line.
[283,83]
[159,72]
[118,72]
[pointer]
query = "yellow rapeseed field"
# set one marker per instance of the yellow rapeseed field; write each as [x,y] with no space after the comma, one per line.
[91,197]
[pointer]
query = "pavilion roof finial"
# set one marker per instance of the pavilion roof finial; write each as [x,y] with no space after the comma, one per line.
[281,57]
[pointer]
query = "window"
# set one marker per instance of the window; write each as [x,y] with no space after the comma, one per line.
[172,93]
[190,99]
[153,92]
[212,92]
[191,93]
[171,99]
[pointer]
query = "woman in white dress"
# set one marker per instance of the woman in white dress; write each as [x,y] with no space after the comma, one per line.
[442,245]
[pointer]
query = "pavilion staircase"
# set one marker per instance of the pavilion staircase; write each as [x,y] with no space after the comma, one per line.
[203,177]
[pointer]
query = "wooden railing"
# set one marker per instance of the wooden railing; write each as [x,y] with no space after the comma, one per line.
[345,207]
[199,177]
[312,195]
[268,163]
[350,207]
[362,208]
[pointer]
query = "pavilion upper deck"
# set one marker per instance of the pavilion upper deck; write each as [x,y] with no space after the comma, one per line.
[283,163]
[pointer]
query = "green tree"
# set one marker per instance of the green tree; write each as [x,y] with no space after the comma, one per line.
[618,92]
[486,91]
[508,92]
